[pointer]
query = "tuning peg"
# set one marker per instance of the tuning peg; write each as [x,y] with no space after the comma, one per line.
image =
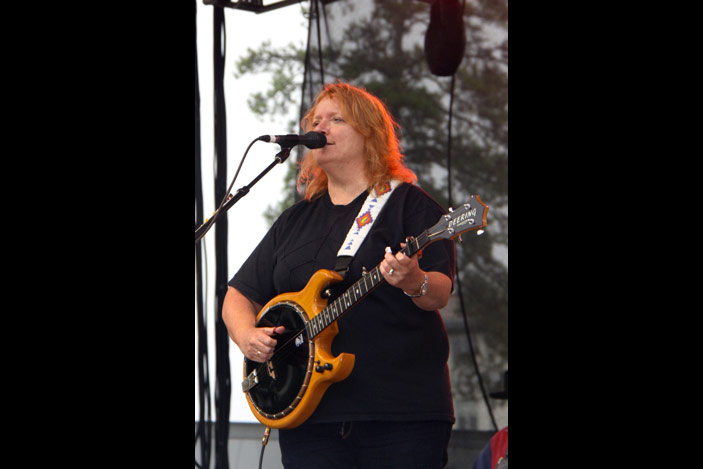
[480,232]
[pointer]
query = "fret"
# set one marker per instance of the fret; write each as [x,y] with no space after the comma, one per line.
[357,291]
[375,274]
[335,309]
[417,245]
[423,239]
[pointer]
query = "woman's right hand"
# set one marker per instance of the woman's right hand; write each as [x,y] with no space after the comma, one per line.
[239,314]
[257,343]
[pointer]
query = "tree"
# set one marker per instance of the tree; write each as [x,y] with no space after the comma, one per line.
[379,45]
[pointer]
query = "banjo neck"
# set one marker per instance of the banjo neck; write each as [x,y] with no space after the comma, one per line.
[360,289]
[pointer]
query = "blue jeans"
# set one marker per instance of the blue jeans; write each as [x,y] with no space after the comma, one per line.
[366,445]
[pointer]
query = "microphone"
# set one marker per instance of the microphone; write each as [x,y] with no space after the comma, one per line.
[310,139]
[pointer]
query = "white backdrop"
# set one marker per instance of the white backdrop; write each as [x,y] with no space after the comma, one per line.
[246,225]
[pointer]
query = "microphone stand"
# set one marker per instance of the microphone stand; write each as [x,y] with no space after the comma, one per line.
[280,158]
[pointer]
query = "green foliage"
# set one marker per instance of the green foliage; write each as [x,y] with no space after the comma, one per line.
[383,52]
[284,66]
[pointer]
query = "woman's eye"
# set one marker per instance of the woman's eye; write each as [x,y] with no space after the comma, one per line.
[315,123]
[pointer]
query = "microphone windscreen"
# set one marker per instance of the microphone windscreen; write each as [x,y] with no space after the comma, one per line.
[445,39]
[315,140]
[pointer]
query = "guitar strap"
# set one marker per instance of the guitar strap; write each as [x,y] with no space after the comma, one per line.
[372,206]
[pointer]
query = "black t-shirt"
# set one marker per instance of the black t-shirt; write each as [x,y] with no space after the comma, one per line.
[401,371]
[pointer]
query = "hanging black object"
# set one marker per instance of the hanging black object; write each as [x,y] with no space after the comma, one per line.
[445,39]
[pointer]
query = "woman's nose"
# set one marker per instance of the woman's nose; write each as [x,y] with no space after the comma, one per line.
[322,127]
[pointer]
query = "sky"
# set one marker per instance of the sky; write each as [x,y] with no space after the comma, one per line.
[246,225]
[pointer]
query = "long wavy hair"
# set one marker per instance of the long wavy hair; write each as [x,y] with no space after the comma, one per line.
[370,117]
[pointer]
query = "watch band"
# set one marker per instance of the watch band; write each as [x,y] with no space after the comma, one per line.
[423,289]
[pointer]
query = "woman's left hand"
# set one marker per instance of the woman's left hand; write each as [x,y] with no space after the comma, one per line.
[405,273]
[402,271]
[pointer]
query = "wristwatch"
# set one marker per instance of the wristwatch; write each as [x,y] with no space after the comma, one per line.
[423,289]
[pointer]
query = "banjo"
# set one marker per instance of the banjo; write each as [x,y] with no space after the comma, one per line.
[285,390]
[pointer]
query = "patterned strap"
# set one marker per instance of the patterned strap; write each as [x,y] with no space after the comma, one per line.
[372,206]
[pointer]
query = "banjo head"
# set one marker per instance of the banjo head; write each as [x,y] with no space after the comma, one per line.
[282,380]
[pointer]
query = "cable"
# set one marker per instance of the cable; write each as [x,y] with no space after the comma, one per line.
[458,277]
[211,221]
[473,355]
[264,440]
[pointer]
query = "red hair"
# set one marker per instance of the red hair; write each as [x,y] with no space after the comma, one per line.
[370,117]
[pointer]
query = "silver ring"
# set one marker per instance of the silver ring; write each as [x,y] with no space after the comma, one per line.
[258,352]
[390,272]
